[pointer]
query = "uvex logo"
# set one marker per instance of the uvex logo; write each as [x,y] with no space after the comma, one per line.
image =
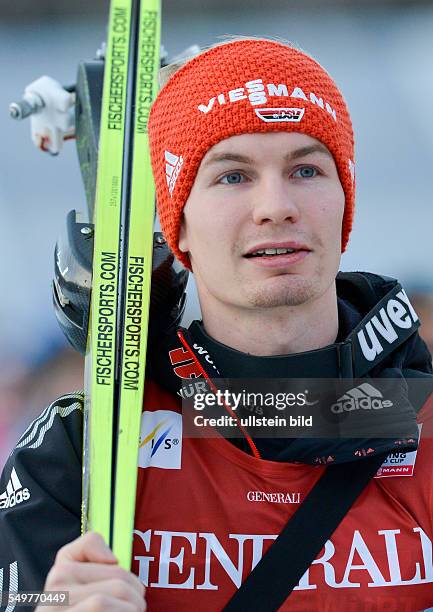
[397,313]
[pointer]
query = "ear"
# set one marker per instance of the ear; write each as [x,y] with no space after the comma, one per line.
[183,240]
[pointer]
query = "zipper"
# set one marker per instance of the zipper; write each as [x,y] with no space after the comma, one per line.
[202,369]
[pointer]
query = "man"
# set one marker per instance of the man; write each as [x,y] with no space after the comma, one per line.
[252,153]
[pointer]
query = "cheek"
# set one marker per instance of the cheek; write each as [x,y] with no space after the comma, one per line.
[216,226]
[332,209]
[207,233]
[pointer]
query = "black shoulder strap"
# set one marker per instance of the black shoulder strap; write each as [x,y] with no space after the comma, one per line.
[273,579]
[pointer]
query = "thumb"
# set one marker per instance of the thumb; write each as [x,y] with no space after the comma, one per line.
[90,547]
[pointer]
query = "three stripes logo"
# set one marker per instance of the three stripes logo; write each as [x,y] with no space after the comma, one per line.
[365,397]
[35,433]
[173,165]
[9,589]
[352,169]
[15,492]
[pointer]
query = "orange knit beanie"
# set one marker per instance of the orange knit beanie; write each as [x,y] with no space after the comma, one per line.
[241,87]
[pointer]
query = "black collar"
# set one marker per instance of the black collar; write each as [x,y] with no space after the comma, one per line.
[333,361]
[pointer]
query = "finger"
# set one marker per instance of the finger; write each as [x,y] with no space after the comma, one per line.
[65,574]
[88,547]
[116,589]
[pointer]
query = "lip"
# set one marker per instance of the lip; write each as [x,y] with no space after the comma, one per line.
[277,245]
[281,261]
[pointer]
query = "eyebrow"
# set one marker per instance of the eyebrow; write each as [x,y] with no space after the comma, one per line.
[296,154]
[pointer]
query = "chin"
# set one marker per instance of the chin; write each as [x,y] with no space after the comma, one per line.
[293,293]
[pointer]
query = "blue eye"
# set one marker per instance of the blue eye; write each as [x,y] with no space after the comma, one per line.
[305,172]
[234,178]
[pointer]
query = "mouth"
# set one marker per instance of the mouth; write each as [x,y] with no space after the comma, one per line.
[275,251]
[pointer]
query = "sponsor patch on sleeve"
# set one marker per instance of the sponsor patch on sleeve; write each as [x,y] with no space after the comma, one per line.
[398,463]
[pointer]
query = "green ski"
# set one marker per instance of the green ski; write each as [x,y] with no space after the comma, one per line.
[137,282]
[122,263]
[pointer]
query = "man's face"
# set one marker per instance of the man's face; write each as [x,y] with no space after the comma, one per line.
[264,191]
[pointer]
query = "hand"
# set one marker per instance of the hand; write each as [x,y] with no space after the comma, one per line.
[89,571]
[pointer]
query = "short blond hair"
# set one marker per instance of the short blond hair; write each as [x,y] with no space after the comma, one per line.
[167,72]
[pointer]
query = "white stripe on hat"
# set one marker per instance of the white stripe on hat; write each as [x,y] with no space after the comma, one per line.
[172,159]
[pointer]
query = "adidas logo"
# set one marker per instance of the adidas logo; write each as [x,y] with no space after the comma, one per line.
[172,168]
[364,396]
[15,493]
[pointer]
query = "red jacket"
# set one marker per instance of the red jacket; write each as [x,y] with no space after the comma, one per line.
[203,524]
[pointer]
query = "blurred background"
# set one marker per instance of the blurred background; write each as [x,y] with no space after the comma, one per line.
[380,54]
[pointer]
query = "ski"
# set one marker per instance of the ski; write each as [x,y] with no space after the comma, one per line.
[122,264]
[137,281]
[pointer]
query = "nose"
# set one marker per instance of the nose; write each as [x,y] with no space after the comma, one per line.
[274,202]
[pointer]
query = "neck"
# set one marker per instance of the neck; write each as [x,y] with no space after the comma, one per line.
[273,331]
